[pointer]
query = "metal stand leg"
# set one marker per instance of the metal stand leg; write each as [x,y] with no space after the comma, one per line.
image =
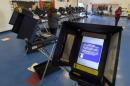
[49,58]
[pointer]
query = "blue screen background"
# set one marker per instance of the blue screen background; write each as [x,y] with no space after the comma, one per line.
[89,51]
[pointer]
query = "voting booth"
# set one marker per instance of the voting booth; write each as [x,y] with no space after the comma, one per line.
[92,52]
[29,29]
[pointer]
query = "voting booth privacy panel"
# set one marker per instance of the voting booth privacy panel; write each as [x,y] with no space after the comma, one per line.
[23,24]
[91,51]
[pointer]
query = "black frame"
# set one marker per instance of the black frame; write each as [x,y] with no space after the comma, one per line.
[78,29]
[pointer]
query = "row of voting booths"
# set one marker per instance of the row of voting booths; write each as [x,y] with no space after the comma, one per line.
[36,37]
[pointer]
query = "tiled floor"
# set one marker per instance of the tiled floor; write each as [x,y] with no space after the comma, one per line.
[14,61]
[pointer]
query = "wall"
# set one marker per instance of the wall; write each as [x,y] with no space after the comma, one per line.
[58,4]
[123,3]
[74,3]
[5,13]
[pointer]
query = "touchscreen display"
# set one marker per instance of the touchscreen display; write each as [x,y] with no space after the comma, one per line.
[90,52]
